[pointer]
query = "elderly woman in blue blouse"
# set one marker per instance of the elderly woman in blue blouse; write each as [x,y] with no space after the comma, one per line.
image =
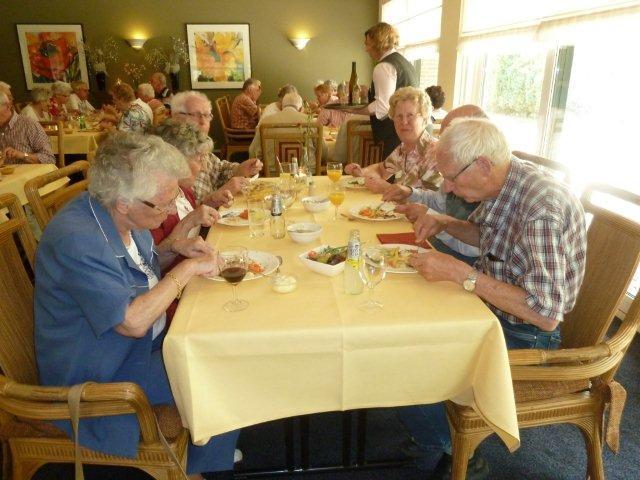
[99,299]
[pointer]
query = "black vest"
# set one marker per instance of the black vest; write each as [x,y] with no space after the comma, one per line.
[383,130]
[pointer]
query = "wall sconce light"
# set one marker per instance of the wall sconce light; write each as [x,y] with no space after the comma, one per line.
[299,43]
[136,43]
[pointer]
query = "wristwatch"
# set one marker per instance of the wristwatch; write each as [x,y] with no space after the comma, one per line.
[469,283]
[25,155]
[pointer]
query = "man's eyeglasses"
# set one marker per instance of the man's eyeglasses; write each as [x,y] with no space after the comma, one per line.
[453,179]
[198,115]
[162,209]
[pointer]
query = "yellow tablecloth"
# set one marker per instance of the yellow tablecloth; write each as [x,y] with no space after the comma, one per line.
[313,350]
[78,142]
[14,182]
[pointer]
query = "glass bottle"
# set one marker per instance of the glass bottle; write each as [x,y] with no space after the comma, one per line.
[353,82]
[276,223]
[352,282]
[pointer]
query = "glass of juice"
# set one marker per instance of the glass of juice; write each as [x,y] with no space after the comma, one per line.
[334,171]
[336,197]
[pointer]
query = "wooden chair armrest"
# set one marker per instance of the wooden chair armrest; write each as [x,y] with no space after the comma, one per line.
[240,131]
[537,357]
[98,400]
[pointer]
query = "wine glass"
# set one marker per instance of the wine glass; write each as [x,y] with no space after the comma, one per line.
[336,197]
[372,271]
[334,171]
[234,261]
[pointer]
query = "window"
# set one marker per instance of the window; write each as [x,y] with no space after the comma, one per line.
[418,24]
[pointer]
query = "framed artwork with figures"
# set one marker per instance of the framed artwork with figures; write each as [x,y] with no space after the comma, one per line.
[52,52]
[219,55]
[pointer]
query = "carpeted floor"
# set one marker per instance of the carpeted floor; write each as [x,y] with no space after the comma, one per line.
[551,453]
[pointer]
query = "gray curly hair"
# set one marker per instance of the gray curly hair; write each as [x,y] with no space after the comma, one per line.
[126,164]
[186,137]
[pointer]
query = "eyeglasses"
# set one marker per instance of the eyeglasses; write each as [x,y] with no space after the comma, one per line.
[164,209]
[453,179]
[198,115]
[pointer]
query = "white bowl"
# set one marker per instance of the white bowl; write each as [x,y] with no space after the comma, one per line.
[317,203]
[322,268]
[304,232]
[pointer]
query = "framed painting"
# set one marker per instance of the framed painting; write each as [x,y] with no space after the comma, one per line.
[219,55]
[52,52]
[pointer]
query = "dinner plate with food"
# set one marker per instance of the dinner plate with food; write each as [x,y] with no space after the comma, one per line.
[397,255]
[383,212]
[235,217]
[259,265]
[355,183]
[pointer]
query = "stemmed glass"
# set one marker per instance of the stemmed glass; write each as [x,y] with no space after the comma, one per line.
[334,171]
[372,271]
[234,260]
[336,197]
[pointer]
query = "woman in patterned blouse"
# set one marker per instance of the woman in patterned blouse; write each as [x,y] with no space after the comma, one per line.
[412,163]
[133,118]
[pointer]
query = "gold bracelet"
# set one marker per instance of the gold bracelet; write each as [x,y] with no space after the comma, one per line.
[177,282]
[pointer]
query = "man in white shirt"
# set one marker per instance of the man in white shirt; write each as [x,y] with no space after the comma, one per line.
[391,72]
[79,99]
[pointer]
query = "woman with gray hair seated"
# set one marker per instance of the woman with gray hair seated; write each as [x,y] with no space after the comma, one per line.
[60,92]
[100,300]
[38,109]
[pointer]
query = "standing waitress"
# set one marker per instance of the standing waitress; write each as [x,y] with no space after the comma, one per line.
[392,71]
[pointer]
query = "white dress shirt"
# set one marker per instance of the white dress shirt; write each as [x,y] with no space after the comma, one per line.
[384,80]
[83,106]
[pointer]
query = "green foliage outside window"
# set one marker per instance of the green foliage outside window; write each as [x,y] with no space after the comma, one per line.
[517,88]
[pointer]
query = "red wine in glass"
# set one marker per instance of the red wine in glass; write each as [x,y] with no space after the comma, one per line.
[233,275]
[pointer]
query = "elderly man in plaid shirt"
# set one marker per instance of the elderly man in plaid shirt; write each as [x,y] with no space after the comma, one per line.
[531,233]
[219,180]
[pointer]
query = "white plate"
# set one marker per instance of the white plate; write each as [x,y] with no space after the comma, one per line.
[269,264]
[232,218]
[355,214]
[354,183]
[407,269]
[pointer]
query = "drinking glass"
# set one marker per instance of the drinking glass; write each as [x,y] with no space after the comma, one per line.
[336,197]
[288,170]
[234,260]
[257,216]
[372,271]
[334,171]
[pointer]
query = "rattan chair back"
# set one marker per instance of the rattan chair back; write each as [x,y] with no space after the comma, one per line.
[361,148]
[286,140]
[613,254]
[45,206]
[236,140]
[17,358]
[559,170]
[56,129]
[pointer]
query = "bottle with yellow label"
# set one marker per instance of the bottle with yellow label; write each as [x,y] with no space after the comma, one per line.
[352,282]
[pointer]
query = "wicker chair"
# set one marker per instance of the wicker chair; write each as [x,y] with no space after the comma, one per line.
[236,140]
[551,165]
[361,148]
[285,140]
[575,383]
[44,207]
[56,129]
[28,441]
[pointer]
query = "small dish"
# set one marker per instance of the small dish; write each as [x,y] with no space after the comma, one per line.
[318,267]
[283,282]
[316,203]
[7,170]
[304,232]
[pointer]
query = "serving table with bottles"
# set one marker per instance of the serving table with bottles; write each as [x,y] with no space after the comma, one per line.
[314,350]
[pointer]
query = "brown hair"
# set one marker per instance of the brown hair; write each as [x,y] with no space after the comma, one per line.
[322,88]
[123,91]
[384,37]
[436,94]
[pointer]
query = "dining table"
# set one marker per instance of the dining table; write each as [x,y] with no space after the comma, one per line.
[78,141]
[14,182]
[315,350]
